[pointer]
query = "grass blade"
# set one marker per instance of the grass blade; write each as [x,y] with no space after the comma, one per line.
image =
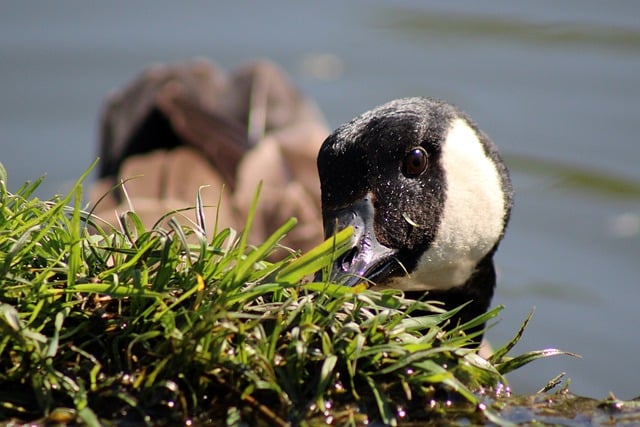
[317,258]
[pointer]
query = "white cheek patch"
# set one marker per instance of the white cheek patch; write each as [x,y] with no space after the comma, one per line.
[473,216]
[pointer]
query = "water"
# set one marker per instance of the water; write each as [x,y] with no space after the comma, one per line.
[550,82]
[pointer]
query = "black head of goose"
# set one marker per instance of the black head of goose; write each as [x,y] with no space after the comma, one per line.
[429,198]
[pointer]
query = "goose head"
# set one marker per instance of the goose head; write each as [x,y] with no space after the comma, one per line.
[429,198]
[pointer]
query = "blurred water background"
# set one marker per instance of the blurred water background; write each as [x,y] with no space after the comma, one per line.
[555,84]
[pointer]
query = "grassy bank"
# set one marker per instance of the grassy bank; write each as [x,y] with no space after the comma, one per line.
[179,324]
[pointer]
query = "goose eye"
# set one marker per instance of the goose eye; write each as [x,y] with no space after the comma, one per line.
[415,162]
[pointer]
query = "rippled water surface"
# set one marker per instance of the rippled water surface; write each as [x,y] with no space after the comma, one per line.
[556,85]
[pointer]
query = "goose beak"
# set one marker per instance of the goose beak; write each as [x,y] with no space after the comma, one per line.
[367,260]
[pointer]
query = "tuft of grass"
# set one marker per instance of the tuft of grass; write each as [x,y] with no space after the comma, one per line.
[171,325]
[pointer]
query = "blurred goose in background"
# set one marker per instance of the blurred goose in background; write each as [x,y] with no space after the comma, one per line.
[178,127]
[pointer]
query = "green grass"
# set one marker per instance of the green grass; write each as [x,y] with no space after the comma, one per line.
[179,325]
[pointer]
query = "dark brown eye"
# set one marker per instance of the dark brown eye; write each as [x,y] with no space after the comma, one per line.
[415,162]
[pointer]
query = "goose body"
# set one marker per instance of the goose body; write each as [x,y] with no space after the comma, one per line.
[178,127]
[429,198]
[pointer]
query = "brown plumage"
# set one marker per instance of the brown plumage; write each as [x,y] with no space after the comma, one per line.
[178,127]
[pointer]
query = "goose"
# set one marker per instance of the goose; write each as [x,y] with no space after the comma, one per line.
[429,198]
[177,127]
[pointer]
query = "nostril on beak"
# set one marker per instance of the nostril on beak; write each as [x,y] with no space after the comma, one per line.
[346,260]
[341,265]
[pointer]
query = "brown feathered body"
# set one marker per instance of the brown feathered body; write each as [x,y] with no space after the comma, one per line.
[178,128]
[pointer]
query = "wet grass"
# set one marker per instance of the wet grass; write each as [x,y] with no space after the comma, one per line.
[182,325]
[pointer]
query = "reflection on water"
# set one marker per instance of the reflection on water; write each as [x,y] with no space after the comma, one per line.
[555,85]
[513,29]
[575,178]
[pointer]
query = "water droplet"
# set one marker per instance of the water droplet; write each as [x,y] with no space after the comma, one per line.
[62,416]
[623,225]
[321,66]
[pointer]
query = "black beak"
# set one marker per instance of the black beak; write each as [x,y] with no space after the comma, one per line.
[367,259]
